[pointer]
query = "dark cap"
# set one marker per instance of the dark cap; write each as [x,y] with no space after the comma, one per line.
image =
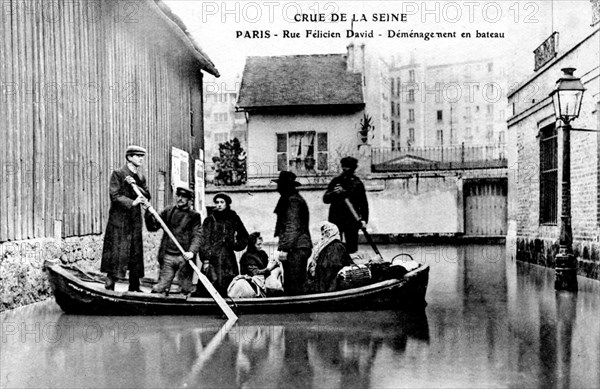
[350,162]
[223,196]
[286,177]
[135,150]
[184,191]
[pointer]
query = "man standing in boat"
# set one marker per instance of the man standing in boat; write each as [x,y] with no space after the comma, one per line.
[292,229]
[186,224]
[123,247]
[347,186]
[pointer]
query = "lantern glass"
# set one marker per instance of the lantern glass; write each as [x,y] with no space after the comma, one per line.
[567,96]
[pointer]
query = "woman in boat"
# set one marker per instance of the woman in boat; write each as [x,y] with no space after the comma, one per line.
[328,258]
[222,233]
[255,261]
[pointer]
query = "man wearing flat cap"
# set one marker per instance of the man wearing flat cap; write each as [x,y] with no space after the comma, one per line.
[347,186]
[186,225]
[123,248]
[295,244]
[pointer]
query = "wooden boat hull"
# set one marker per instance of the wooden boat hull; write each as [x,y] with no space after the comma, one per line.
[74,295]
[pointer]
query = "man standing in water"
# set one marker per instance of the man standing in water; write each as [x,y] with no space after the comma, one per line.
[292,229]
[347,186]
[123,248]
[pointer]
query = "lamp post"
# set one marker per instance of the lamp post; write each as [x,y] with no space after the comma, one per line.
[566,97]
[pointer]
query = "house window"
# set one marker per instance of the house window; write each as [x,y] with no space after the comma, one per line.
[296,152]
[398,128]
[411,75]
[393,110]
[411,115]
[411,95]
[393,127]
[411,134]
[548,175]
[440,115]
[440,137]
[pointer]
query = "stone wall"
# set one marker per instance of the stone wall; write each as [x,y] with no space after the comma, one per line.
[22,279]
[542,252]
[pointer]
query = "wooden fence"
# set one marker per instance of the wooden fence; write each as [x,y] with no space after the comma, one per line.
[77,86]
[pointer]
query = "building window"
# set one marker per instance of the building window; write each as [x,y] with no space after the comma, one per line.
[411,115]
[393,127]
[393,110]
[296,152]
[411,95]
[490,66]
[468,113]
[490,110]
[221,137]
[501,137]
[489,133]
[411,136]
[393,145]
[440,115]
[468,133]
[440,137]
[398,128]
[411,76]
[548,175]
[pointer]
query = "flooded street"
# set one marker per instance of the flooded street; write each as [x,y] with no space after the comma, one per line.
[490,322]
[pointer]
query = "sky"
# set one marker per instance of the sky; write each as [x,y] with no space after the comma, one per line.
[217,26]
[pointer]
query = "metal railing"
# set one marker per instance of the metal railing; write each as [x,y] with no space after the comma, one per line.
[439,158]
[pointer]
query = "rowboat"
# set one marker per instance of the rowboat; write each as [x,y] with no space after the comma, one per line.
[81,292]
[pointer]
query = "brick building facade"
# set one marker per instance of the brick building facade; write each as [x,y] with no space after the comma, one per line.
[535,160]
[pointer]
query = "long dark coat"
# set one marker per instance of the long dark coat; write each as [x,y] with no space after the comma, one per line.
[123,246]
[292,223]
[218,243]
[355,192]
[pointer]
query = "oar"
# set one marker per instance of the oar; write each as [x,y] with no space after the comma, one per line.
[363,229]
[211,289]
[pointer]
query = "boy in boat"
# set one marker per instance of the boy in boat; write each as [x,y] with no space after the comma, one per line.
[347,186]
[292,229]
[186,225]
[123,248]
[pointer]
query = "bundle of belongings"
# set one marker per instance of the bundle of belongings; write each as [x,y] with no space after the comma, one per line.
[374,270]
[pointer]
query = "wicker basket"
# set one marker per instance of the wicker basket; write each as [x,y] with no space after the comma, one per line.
[354,276]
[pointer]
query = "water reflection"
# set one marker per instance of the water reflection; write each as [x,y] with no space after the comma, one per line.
[490,322]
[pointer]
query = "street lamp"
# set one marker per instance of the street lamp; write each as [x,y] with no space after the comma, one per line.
[566,97]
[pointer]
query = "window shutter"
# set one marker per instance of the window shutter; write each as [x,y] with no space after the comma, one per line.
[282,159]
[322,151]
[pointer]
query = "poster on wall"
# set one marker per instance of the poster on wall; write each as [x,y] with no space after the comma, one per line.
[180,170]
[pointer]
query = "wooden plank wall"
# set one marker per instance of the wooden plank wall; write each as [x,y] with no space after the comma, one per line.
[77,85]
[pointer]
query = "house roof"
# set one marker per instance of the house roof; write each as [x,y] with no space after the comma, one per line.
[299,81]
[181,31]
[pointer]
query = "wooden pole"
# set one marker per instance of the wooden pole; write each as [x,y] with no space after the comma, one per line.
[363,229]
[211,289]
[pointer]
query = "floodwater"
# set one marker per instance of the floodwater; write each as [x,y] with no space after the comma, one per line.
[490,322]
